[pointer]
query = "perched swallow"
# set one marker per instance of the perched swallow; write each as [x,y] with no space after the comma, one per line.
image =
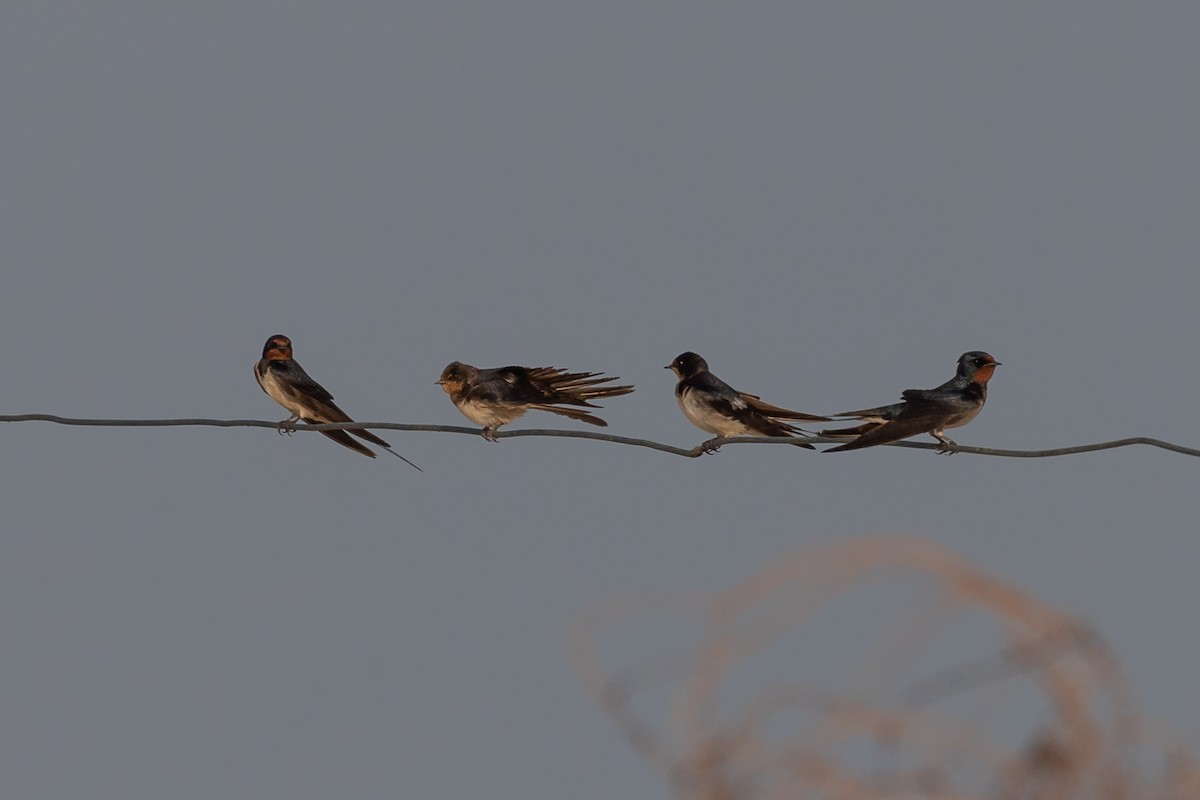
[951,405]
[714,406]
[494,397]
[288,384]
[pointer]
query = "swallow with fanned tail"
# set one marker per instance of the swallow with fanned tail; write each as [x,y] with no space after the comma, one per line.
[714,406]
[288,384]
[951,405]
[494,397]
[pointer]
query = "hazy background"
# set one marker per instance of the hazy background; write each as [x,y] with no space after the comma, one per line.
[830,204]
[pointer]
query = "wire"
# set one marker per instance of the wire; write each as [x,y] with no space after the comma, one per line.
[693,452]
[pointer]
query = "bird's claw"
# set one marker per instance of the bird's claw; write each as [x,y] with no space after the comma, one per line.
[946,447]
[287,426]
[711,446]
[489,434]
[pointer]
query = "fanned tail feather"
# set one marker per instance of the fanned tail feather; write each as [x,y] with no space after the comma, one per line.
[575,388]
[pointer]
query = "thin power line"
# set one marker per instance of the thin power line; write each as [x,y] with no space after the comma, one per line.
[693,452]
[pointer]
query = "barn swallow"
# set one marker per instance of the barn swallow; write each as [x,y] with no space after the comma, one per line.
[288,384]
[951,405]
[714,406]
[494,397]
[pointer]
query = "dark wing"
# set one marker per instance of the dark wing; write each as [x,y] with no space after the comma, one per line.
[300,383]
[918,415]
[758,404]
[952,403]
[505,386]
[318,398]
[723,399]
[765,425]
[879,413]
[857,430]
[938,395]
[874,417]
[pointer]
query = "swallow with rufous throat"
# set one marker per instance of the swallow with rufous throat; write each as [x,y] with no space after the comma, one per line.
[951,405]
[288,384]
[714,406]
[494,397]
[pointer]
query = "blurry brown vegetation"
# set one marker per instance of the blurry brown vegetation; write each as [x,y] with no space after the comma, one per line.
[1064,727]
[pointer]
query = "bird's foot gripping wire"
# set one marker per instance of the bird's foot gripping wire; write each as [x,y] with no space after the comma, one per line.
[946,446]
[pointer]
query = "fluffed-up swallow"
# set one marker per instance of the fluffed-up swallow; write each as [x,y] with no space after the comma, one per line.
[951,405]
[288,384]
[714,406]
[494,397]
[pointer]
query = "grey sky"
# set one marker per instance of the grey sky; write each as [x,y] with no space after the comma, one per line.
[829,203]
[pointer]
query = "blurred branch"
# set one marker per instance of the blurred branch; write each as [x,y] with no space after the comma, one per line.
[1069,731]
[693,452]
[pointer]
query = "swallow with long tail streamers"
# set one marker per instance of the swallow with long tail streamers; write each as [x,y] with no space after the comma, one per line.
[951,405]
[288,384]
[494,397]
[714,406]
